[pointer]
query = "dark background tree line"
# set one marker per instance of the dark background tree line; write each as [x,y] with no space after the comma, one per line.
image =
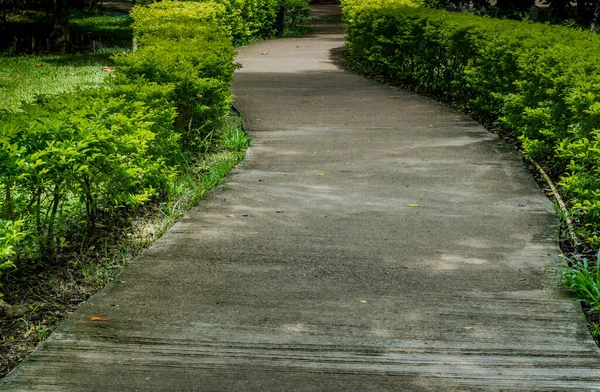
[54,13]
[583,12]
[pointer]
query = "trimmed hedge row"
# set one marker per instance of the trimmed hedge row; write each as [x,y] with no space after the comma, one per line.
[71,161]
[240,20]
[541,81]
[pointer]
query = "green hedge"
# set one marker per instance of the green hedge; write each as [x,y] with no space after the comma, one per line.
[71,161]
[541,81]
[240,20]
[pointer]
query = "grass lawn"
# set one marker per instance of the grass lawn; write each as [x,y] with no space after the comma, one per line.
[24,76]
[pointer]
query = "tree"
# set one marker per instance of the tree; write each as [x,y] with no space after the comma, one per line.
[514,5]
[60,36]
[587,12]
[94,7]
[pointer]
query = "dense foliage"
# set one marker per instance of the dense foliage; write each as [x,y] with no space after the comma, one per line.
[540,81]
[71,162]
[296,11]
[240,20]
[584,13]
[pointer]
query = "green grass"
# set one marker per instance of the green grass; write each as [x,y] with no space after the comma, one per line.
[25,76]
[115,30]
[226,148]
[325,20]
[296,31]
[583,279]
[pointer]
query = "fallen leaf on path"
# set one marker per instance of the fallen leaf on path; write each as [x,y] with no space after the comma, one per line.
[265,53]
[468,328]
[363,301]
[320,174]
[228,216]
[100,319]
[413,205]
[235,166]
[430,125]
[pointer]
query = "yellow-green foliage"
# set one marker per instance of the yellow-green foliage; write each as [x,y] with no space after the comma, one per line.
[25,76]
[542,81]
[352,8]
[188,50]
[72,160]
[240,20]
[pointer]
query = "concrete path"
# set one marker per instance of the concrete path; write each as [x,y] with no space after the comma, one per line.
[310,270]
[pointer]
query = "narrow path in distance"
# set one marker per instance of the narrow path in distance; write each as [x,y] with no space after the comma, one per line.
[373,240]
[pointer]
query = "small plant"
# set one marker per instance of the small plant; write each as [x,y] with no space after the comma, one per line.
[10,237]
[583,279]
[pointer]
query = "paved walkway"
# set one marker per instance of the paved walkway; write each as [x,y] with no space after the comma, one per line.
[310,270]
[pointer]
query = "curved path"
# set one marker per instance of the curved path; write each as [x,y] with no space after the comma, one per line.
[311,271]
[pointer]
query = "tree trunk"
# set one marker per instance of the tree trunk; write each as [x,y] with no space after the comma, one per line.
[595,17]
[583,11]
[560,8]
[502,4]
[60,37]
[94,7]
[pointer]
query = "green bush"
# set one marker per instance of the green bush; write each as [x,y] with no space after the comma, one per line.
[72,161]
[199,69]
[296,11]
[11,235]
[240,20]
[540,81]
[75,157]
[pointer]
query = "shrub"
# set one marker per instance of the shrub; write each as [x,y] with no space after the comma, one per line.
[10,237]
[240,20]
[200,71]
[296,11]
[74,160]
[541,81]
[76,156]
